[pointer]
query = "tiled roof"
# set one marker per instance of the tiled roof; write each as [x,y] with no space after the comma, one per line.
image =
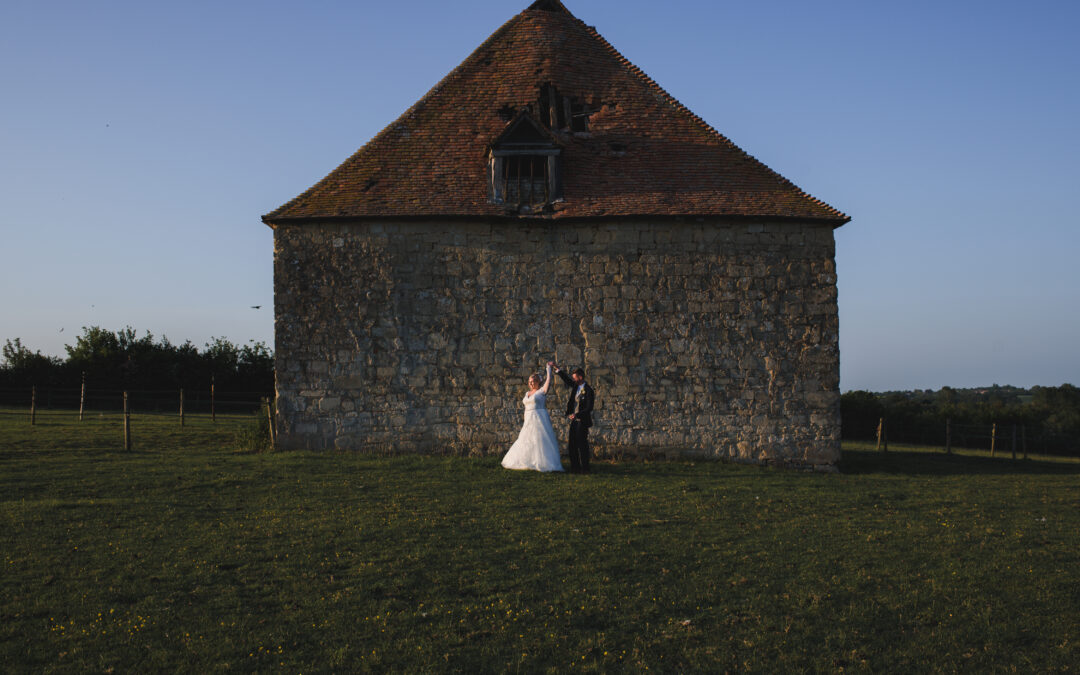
[643,154]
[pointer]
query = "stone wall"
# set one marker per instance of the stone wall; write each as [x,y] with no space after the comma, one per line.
[702,338]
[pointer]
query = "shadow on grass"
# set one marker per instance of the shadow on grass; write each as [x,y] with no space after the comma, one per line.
[939,464]
[716,468]
[604,467]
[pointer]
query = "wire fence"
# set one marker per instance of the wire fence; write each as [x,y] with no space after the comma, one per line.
[1004,440]
[104,418]
[51,401]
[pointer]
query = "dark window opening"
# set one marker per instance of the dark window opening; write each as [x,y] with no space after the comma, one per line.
[525,180]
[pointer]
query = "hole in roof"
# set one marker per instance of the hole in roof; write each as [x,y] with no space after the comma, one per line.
[558,111]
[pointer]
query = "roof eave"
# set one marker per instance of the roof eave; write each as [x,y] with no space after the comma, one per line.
[273,221]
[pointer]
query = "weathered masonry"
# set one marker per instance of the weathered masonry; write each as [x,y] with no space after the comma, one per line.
[547,199]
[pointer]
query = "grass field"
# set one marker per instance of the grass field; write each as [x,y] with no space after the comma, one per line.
[186,556]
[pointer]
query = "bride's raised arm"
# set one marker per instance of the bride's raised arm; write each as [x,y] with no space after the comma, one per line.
[547,381]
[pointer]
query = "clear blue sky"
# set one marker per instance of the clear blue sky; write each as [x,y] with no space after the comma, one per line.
[140,142]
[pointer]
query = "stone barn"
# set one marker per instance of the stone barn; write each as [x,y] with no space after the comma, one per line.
[548,200]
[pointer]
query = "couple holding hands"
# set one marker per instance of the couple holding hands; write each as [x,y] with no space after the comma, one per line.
[536,447]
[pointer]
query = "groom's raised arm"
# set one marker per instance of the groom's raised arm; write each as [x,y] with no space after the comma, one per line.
[564,377]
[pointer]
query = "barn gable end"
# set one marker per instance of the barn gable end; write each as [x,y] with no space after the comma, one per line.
[549,199]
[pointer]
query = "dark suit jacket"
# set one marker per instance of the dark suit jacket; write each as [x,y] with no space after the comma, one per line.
[581,406]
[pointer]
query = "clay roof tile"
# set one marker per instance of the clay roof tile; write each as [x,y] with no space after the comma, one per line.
[644,154]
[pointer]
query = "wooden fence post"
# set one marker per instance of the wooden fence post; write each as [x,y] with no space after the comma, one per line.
[948,437]
[127,424]
[33,405]
[82,397]
[882,436]
[213,412]
[1014,442]
[270,419]
[993,438]
[181,406]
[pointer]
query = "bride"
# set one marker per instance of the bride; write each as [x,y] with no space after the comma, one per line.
[536,446]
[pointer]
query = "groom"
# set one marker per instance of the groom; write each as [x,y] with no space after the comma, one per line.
[579,412]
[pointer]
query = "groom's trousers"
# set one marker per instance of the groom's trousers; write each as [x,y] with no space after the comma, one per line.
[579,446]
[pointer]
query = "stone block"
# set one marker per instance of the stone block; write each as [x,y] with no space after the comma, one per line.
[568,355]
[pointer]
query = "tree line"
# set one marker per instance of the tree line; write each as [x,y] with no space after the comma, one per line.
[1049,414]
[122,360]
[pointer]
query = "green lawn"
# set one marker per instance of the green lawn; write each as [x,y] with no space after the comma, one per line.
[184,555]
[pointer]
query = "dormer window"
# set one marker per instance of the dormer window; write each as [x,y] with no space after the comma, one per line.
[524,167]
[525,179]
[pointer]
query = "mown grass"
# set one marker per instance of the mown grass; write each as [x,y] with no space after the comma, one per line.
[185,555]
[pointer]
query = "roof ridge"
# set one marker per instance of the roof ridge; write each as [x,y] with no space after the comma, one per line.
[653,84]
[373,143]
[549,6]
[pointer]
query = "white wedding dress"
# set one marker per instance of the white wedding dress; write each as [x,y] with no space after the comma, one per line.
[536,447]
